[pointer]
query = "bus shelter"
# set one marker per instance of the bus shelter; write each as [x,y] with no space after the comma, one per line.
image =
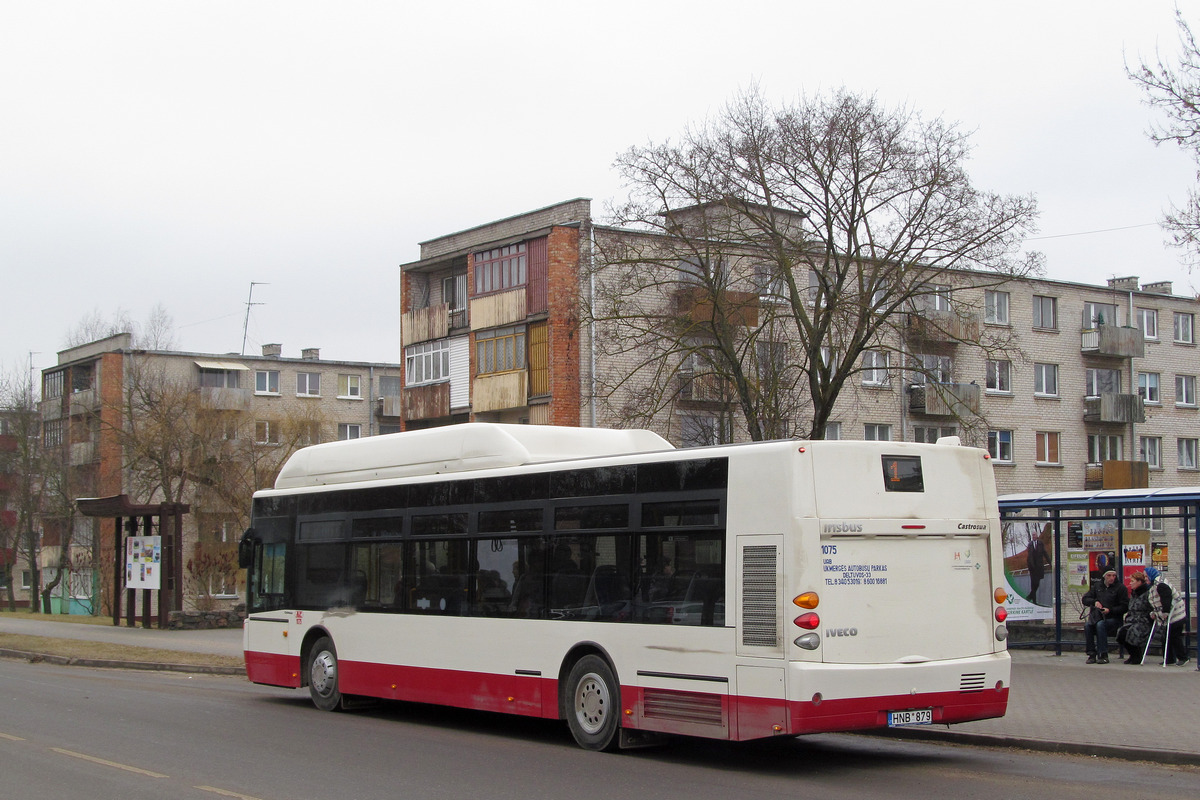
[1078,535]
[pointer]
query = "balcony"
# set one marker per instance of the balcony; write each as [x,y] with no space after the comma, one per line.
[1113,408]
[943,326]
[1113,341]
[704,388]
[501,308]
[390,406]
[224,399]
[499,391]
[698,304]
[1117,475]
[944,399]
[425,402]
[82,453]
[84,401]
[424,324]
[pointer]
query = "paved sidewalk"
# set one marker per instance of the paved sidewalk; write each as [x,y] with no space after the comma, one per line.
[1057,703]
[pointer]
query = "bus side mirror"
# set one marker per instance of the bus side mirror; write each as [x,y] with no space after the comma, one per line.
[246,548]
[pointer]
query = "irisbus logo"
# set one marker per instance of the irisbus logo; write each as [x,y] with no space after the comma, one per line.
[842,527]
[841,632]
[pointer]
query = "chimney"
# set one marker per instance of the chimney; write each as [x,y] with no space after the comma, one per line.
[272,350]
[1158,287]
[1129,284]
[311,354]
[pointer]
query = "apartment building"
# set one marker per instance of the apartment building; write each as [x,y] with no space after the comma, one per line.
[1094,386]
[218,425]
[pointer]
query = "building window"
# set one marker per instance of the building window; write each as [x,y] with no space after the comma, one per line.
[1104,447]
[929,434]
[1187,453]
[928,368]
[1148,387]
[52,432]
[1103,381]
[349,387]
[935,297]
[389,385]
[1148,322]
[773,289]
[428,362]
[308,384]
[219,378]
[696,430]
[1045,312]
[501,350]
[266,432]
[873,432]
[347,430]
[1045,380]
[1185,390]
[1151,451]
[266,381]
[995,307]
[999,376]
[1143,519]
[1047,447]
[1000,446]
[1097,314]
[1184,332]
[52,385]
[875,367]
[26,578]
[833,431]
[500,268]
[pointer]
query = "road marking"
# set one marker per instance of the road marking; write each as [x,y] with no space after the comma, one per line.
[11,738]
[106,763]
[226,793]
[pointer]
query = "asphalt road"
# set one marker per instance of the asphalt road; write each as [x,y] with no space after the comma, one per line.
[71,732]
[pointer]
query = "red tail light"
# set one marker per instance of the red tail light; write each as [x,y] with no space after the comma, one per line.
[809,621]
[1001,614]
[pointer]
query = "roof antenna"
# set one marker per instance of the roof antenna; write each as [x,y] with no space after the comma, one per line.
[246,324]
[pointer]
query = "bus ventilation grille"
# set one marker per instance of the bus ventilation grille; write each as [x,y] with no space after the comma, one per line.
[760,627]
[971,681]
[702,709]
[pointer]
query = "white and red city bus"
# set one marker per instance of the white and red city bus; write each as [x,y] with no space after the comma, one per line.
[733,592]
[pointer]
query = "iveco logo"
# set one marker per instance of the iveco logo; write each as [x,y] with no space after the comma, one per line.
[841,632]
[842,527]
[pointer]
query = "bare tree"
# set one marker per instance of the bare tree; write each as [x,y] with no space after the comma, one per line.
[774,247]
[1173,87]
[156,333]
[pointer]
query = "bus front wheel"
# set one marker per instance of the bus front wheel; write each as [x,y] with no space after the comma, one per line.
[594,701]
[323,675]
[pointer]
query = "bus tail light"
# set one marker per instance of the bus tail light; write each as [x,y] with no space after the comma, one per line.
[1000,595]
[806,600]
[809,621]
[1001,633]
[1001,614]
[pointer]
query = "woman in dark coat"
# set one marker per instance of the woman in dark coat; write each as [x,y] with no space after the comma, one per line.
[1136,630]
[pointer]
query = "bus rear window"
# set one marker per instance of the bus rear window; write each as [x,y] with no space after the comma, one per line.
[902,474]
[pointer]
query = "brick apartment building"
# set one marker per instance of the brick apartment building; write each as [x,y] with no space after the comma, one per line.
[1097,388]
[249,411]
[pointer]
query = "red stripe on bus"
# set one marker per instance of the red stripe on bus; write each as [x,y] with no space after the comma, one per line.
[742,718]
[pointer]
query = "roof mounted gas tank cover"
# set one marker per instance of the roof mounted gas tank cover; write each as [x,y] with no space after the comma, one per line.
[456,448]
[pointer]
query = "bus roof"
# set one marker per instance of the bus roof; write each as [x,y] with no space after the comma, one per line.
[456,448]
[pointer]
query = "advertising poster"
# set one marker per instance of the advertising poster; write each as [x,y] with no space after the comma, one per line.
[1135,553]
[1158,556]
[1078,571]
[143,558]
[1029,569]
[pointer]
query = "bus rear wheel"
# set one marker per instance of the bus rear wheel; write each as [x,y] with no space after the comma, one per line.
[593,704]
[323,675]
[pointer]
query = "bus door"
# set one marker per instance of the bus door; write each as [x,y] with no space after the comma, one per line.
[761,707]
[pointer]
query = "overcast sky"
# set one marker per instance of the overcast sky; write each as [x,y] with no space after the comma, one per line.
[171,152]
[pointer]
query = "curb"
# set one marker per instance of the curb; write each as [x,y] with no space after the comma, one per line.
[108,663]
[1124,753]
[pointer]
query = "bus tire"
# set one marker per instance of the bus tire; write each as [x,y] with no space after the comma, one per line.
[323,675]
[593,704]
